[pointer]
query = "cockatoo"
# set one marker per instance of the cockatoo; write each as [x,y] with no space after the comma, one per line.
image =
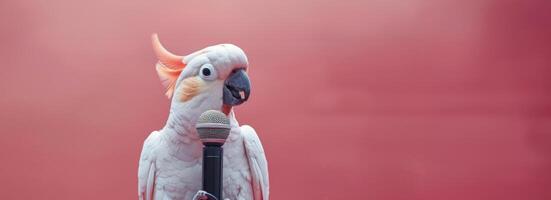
[170,166]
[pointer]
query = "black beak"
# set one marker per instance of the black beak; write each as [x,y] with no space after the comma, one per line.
[237,88]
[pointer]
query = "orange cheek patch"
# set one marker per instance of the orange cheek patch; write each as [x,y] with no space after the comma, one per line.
[190,88]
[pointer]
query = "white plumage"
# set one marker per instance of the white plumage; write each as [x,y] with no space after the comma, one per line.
[171,160]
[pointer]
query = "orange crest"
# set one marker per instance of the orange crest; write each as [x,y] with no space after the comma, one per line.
[169,66]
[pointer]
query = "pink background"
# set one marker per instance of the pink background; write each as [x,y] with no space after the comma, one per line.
[358,99]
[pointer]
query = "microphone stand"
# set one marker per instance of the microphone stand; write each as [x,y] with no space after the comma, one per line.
[212,170]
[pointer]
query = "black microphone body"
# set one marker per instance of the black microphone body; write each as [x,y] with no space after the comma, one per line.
[212,169]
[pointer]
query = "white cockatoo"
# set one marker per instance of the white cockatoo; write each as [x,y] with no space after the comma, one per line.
[170,167]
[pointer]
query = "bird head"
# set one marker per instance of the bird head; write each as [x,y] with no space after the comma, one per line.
[214,78]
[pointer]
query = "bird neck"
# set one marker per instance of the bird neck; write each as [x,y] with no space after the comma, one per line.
[181,126]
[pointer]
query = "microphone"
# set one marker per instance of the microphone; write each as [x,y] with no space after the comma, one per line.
[213,128]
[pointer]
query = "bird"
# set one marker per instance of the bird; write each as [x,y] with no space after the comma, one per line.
[170,165]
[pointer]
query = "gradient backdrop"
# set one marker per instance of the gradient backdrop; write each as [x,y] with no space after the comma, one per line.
[414,99]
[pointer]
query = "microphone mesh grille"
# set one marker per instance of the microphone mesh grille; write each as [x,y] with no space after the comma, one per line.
[213,116]
[213,127]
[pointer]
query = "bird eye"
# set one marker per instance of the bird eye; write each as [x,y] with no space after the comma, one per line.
[207,72]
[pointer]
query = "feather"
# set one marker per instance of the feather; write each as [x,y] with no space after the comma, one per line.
[257,163]
[190,87]
[168,77]
[169,66]
[147,169]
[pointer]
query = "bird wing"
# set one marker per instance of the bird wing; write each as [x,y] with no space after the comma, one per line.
[257,163]
[146,168]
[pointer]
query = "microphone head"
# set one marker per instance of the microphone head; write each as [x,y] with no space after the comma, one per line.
[213,127]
